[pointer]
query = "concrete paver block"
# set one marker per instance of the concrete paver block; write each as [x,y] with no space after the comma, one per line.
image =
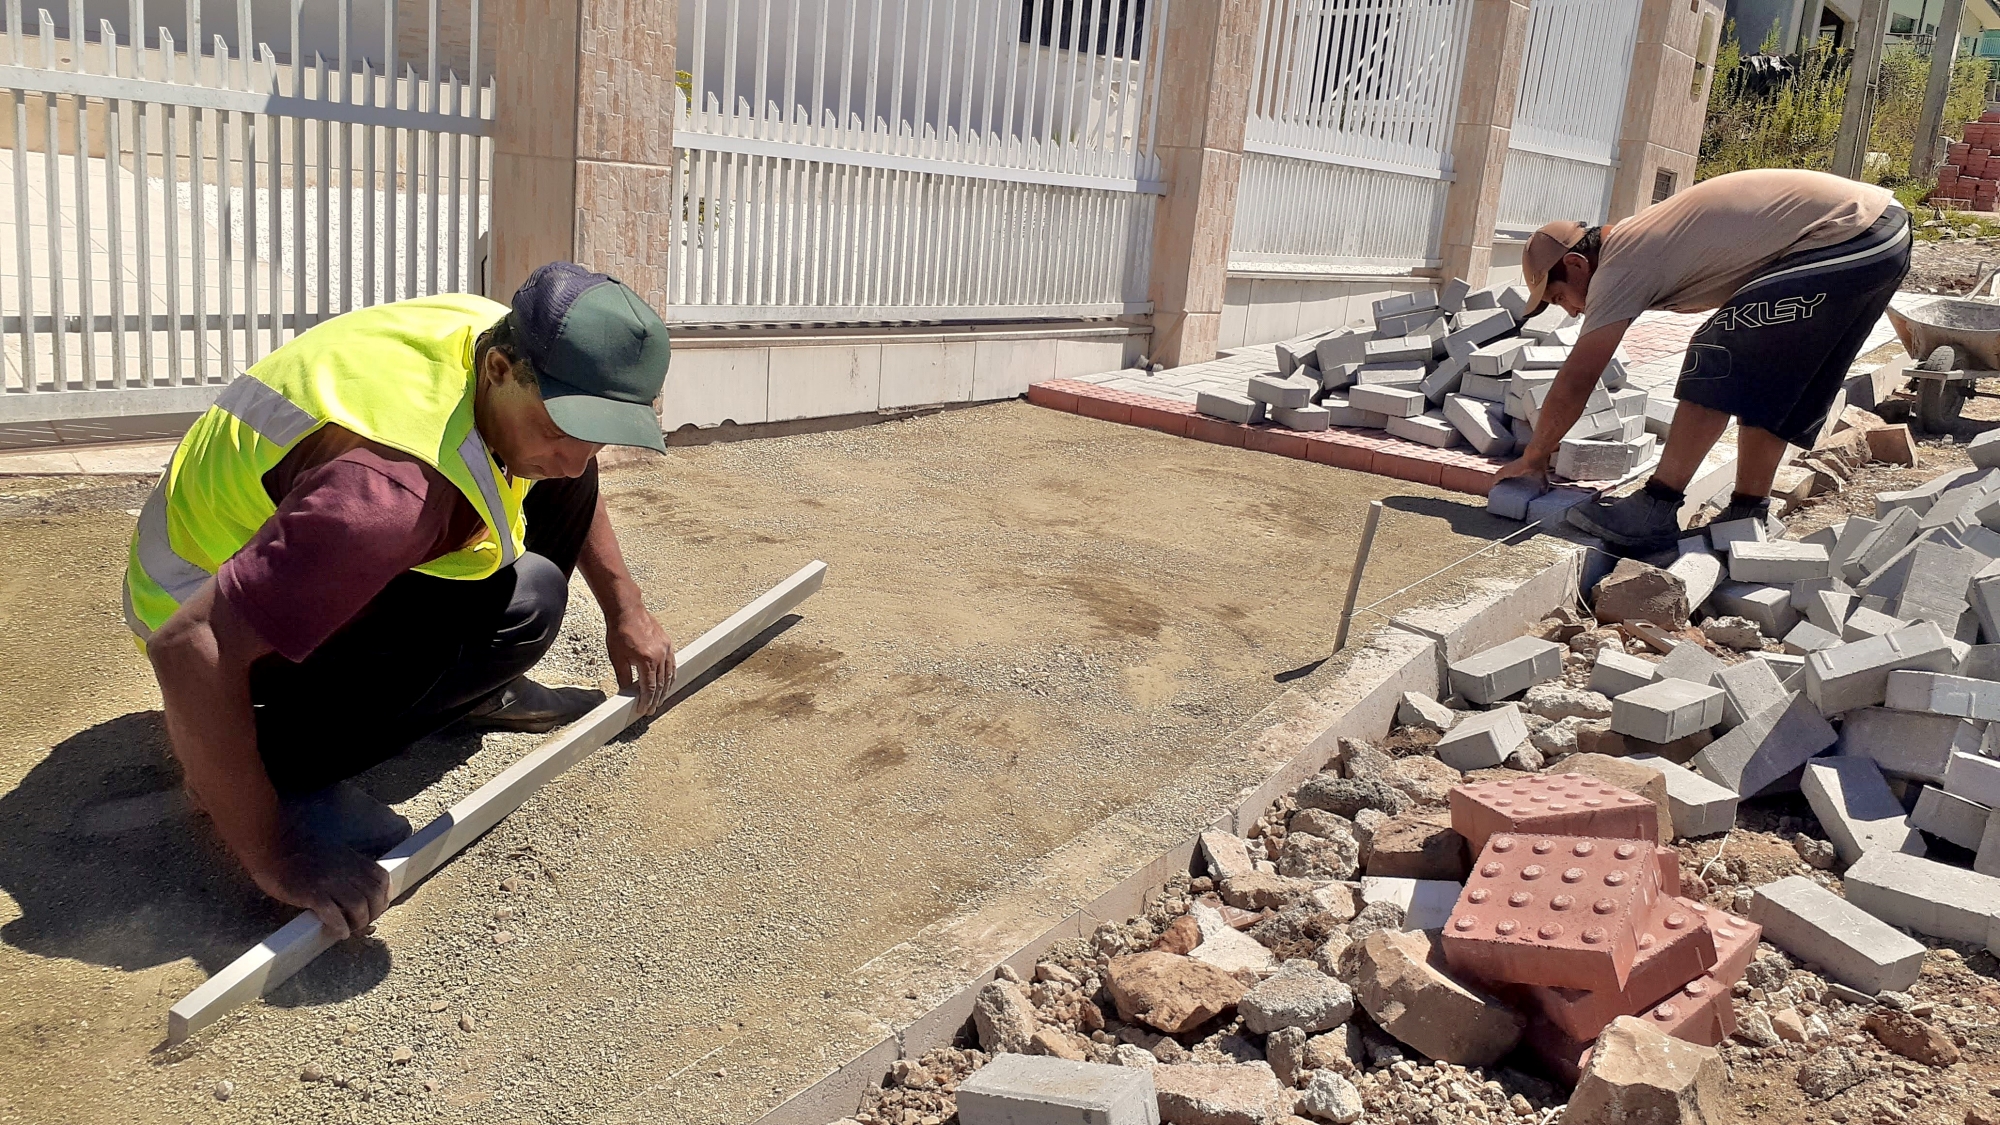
[1566,804]
[1341,412]
[1699,807]
[1766,748]
[1973,777]
[1924,895]
[1936,586]
[1273,391]
[1549,509]
[1889,537]
[1506,669]
[1747,688]
[1790,668]
[1430,429]
[1853,530]
[1399,349]
[1478,327]
[1676,946]
[1562,911]
[1697,568]
[1390,401]
[1484,739]
[1484,389]
[1305,419]
[1616,673]
[1543,357]
[1483,424]
[1690,662]
[1819,927]
[1341,348]
[1496,359]
[1769,606]
[1783,560]
[1857,810]
[1908,744]
[1666,709]
[1510,498]
[1408,375]
[1950,817]
[1987,861]
[1863,623]
[1983,591]
[1237,408]
[1593,459]
[1452,294]
[1856,674]
[1446,379]
[1728,533]
[1940,694]
[1017,1089]
[1807,638]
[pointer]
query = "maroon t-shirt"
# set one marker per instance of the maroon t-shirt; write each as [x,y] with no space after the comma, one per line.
[352,514]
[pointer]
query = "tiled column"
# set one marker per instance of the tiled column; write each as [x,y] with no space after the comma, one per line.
[1497,40]
[1665,102]
[583,143]
[1204,86]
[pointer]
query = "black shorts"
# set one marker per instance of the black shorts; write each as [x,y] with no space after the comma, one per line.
[1775,355]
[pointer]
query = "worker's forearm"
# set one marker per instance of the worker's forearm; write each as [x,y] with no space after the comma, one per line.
[603,567]
[213,734]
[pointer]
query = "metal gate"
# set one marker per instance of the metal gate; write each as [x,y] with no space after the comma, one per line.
[182,206]
[1563,151]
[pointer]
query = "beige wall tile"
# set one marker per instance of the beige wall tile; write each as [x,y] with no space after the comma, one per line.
[820,382]
[627,91]
[1274,311]
[624,229]
[1088,357]
[1235,312]
[1004,368]
[919,374]
[710,386]
[534,216]
[1487,95]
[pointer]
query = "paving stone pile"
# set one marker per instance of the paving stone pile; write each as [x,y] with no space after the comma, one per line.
[1463,367]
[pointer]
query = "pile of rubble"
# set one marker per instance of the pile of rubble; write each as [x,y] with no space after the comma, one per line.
[1460,367]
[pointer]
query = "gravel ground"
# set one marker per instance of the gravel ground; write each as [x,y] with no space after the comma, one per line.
[1031,620]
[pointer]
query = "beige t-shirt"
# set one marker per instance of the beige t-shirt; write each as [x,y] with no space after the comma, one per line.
[1694,251]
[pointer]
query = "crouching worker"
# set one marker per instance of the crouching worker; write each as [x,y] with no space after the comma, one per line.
[1798,267]
[370,536]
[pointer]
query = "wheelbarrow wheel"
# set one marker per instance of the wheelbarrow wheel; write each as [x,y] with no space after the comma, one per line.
[1938,403]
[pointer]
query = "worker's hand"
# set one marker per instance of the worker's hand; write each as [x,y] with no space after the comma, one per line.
[346,889]
[643,656]
[1532,467]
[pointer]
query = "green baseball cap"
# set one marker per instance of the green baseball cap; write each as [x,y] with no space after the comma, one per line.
[599,352]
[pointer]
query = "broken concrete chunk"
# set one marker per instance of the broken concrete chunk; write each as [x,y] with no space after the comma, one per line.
[1409,993]
[1560,701]
[1228,855]
[1419,844]
[1169,992]
[1424,713]
[1347,796]
[1014,1088]
[1635,591]
[1004,1019]
[1638,1075]
[1222,1094]
[1297,995]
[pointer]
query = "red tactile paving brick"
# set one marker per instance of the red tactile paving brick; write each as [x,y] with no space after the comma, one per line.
[1669,862]
[1478,482]
[1166,421]
[1342,455]
[1675,948]
[1108,409]
[1561,911]
[1562,1054]
[1402,466]
[1735,942]
[1566,804]
[1699,1012]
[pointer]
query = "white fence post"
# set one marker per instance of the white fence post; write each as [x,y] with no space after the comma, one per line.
[1486,114]
[1574,79]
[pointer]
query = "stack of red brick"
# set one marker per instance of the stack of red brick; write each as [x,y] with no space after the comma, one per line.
[1573,914]
[1970,177]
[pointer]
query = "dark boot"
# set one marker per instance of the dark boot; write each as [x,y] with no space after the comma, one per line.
[1741,509]
[343,813]
[527,706]
[1640,524]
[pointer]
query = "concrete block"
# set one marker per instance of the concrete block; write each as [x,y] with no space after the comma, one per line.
[1937,583]
[1429,428]
[1514,299]
[1017,1089]
[1398,304]
[1914,500]
[1766,748]
[1409,376]
[1820,928]
[1477,327]
[1973,777]
[1938,693]
[1790,668]
[1483,739]
[1699,807]
[1982,663]
[1747,688]
[1273,391]
[1485,389]
[1426,903]
[1780,561]
[1526,934]
[1887,580]
[1543,325]
[1987,861]
[1863,623]
[1985,450]
[1341,412]
[1230,407]
[1341,349]
[1506,669]
[1924,895]
[1983,591]
[1722,536]
[1806,638]
[1950,817]
[1510,498]
[1666,709]
[1852,531]
[1398,349]
[1855,807]
[1630,403]
[1452,294]
[1878,546]
[1306,419]
[1697,568]
[1616,673]
[1483,424]
[1660,416]
[1496,359]
[1548,509]
[1338,377]
[1544,358]
[1769,606]
[1591,459]
[1445,379]
[1523,431]
[1692,663]
[1907,744]
[1856,674]
[1392,402]
[1482,299]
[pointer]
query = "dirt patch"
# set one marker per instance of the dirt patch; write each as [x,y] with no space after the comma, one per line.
[1031,620]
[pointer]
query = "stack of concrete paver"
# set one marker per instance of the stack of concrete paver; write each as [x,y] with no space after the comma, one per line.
[1458,367]
[1574,908]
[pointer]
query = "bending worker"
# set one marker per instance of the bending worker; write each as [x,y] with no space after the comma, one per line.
[1798,266]
[346,554]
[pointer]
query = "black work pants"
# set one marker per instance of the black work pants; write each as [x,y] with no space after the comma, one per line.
[422,654]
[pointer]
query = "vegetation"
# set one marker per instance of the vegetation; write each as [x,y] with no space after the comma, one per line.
[1793,124]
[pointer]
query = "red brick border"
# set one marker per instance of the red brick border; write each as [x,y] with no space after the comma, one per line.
[1367,451]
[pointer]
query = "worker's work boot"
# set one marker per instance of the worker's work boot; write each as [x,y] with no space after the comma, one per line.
[1742,509]
[343,813]
[527,706]
[1643,523]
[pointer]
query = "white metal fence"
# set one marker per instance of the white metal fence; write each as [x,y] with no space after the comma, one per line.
[1563,151]
[181,206]
[1347,150]
[915,160]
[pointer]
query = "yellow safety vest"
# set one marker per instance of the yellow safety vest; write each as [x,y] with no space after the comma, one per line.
[399,374]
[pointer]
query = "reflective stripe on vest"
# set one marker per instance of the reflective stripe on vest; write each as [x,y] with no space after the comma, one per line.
[473,450]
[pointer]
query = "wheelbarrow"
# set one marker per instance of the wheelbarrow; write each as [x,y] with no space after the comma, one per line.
[1955,342]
